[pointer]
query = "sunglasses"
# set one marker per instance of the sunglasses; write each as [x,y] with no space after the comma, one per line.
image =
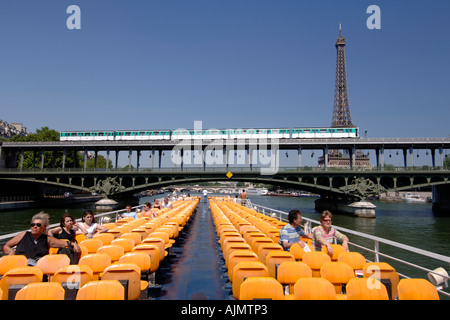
[36,224]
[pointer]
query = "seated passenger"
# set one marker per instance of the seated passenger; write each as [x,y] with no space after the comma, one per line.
[324,234]
[34,244]
[88,222]
[292,232]
[128,213]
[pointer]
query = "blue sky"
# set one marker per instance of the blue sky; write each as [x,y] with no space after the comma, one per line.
[157,64]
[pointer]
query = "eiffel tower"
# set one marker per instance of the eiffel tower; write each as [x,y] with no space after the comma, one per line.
[342,117]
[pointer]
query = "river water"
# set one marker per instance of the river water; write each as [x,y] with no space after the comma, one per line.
[408,223]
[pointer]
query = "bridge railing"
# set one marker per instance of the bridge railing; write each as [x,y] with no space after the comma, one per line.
[377,243]
[224,169]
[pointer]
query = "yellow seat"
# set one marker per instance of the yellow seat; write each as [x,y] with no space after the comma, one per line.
[92,244]
[297,252]
[256,242]
[152,251]
[142,260]
[105,237]
[141,231]
[231,240]
[366,289]
[159,242]
[337,250]
[136,237]
[265,248]
[314,288]
[51,263]
[114,251]
[102,290]
[234,246]
[115,232]
[73,277]
[290,271]
[417,289]
[239,256]
[338,273]
[261,288]
[126,244]
[129,273]
[98,262]
[12,261]
[354,260]
[275,258]
[41,291]
[383,271]
[244,270]
[20,276]
[315,260]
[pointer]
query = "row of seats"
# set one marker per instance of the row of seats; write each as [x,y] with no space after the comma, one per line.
[250,249]
[129,254]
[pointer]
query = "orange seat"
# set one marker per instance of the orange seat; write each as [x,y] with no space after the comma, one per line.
[142,260]
[92,244]
[337,250]
[239,256]
[97,262]
[12,261]
[102,290]
[256,242]
[20,276]
[383,272]
[314,289]
[297,251]
[417,289]
[315,260]
[290,271]
[152,251]
[338,273]
[366,289]
[354,260]
[234,246]
[275,258]
[159,242]
[244,270]
[73,277]
[261,288]
[265,248]
[105,237]
[126,244]
[136,237]
[51,263]
[114,251]
[128,272]
[41,291]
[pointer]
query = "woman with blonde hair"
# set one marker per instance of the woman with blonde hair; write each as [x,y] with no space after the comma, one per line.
[324,234]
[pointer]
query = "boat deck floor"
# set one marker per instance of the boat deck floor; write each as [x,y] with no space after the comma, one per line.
[194,271]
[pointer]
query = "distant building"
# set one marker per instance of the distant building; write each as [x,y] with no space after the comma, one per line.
[9,130]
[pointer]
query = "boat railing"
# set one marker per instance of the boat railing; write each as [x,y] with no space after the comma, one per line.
[376,249]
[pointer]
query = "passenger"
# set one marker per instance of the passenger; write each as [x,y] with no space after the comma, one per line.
[323,235]
[292,232]
[128,213]
[89,223]
[34,244]
[244,197]
[148,211]
[205,195]
[236,200]
[156,204]
[167,203]
[66,230]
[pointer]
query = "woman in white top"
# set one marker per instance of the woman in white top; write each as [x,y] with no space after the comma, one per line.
[89,223]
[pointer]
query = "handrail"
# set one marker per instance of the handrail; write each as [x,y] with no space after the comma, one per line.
[281,215]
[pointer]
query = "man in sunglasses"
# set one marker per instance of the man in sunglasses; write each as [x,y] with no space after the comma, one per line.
[34,244]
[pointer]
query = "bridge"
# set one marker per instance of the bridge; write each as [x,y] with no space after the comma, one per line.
[351,182]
